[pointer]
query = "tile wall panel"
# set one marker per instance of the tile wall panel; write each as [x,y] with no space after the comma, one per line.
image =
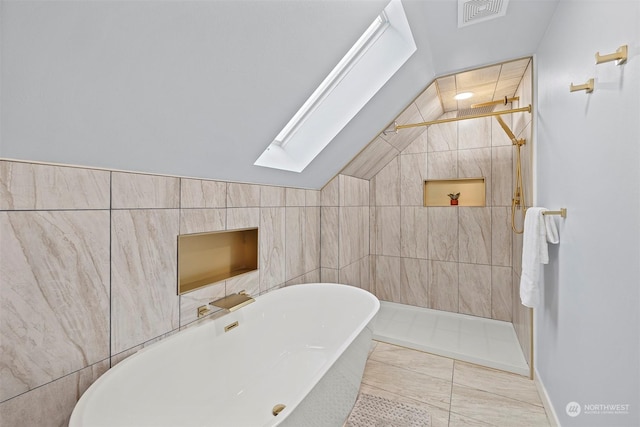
[197,193]
[248,282]
[501,293]
[443,285]
[371,159]
[294,263]
[353,191]
[242,195]
[442,242]
[428,103]
[474,235]
[387,231]
[353,234]
[501,232]
[413,232]
[242,218]
[419,145]
[442,165]
[387,278]
[139,191]
[330,193]
[295,197]
[387,185]
[27,186]
[350,275]
[272,247]
[476,163]
[329,275]
[119,357]
[414,282]
[51,404]
[443,137]
[311,239]
[474,288]
[312,198]
[401,139]
[474,133]
[144,301]
[413,173]
[202,220]
[54,295]
[272,196]
[501,175]
[329,239]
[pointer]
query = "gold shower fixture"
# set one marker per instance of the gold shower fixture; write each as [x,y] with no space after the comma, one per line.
[518,201]
[504,101]
[509,133]
[456,119]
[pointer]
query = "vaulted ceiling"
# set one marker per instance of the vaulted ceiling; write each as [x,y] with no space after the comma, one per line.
[200,88]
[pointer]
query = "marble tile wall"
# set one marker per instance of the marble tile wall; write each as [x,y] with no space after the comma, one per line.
[88,267]
[345,245]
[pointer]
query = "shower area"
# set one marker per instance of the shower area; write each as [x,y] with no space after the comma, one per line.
[446,264]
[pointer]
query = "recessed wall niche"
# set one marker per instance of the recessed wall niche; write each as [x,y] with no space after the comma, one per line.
[472,191]
[207,258]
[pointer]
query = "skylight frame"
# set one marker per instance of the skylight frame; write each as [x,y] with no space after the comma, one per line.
[373,32]
[377,55]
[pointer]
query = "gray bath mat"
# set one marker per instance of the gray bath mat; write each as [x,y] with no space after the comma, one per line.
[370,411]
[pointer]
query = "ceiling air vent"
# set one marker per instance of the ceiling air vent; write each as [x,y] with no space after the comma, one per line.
[474,11]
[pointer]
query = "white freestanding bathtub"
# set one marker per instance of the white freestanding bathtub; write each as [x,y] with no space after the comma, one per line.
[302,346]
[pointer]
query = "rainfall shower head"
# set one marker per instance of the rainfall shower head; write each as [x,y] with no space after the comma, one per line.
[465,112]
[485,107]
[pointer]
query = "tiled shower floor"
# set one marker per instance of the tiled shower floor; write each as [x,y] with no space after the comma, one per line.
[485,342]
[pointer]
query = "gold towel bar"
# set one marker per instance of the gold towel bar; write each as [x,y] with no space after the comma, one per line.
[562,212]
[620,56]
[587,87]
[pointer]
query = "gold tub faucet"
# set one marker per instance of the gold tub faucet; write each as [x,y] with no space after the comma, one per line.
[234,301]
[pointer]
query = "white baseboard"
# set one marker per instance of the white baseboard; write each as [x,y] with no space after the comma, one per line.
[544,396]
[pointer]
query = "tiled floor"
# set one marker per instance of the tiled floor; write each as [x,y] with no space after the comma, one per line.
[454,393]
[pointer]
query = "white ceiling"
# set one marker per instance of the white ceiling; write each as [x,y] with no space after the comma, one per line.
[487,84]
[200,88]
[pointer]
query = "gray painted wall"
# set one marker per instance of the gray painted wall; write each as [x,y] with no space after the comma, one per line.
[588,160]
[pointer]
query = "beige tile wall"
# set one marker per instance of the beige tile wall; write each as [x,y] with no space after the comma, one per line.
[345,232]
[456,259]
[88,268]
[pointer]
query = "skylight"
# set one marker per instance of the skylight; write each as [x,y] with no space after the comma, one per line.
[377,55]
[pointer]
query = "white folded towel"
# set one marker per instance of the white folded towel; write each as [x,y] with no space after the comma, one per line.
[538,230]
